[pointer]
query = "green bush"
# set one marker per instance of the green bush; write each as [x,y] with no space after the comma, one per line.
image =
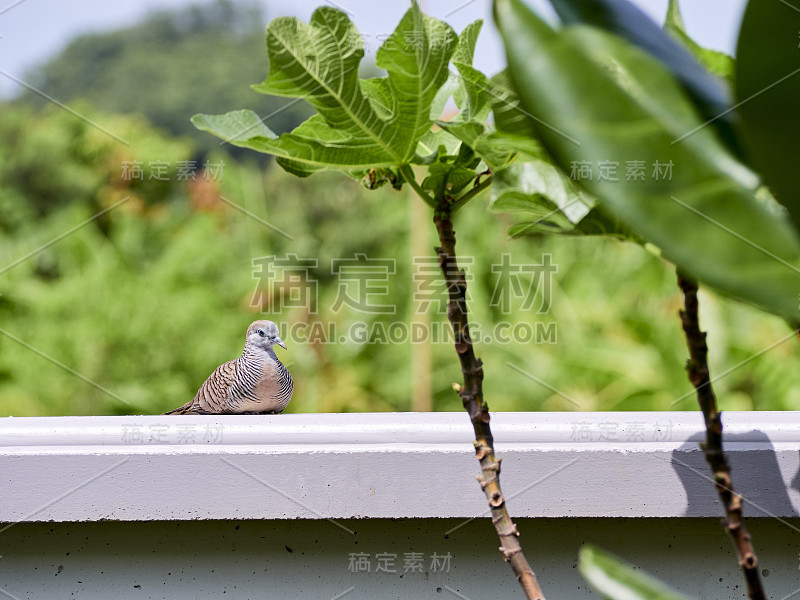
[148,299]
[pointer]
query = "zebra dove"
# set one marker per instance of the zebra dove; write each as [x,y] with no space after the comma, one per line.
[256,382]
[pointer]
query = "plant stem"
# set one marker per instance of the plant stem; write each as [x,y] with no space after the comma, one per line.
[408,174]
[483,185]
[697,367]
[471,393]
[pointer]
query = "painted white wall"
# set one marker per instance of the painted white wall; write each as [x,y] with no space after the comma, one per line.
[258,507]
[310,560]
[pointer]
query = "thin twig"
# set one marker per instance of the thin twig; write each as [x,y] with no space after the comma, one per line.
[479,187]
[471,393]
[697,367]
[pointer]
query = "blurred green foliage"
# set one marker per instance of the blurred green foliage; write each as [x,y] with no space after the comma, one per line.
[170,66]
[146,300]
[130,311]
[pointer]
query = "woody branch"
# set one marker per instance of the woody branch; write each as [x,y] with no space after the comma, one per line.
[471,392]
[697,367]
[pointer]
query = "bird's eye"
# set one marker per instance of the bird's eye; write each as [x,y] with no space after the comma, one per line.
[262,333]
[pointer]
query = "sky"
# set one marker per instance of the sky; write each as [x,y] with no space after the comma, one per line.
[33,30]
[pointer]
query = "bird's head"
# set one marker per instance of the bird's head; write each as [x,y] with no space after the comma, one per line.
[264,335]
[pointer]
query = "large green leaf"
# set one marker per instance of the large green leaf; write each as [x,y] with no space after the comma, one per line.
[537,191]
[630,22]
[545,201]
[606,101]
[768,91]
[614,579]
[472,96]
[526,183]
[508,114]
[360,124]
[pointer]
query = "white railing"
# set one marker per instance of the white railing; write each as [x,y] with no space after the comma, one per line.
[314,466]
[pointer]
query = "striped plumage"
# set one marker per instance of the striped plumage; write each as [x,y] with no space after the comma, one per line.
[255,383]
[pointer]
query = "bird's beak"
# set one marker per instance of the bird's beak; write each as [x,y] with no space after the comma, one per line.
[280,343]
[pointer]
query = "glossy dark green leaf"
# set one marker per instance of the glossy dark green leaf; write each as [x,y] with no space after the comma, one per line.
[768,91]
[606,102]
[614,579]
[623,18]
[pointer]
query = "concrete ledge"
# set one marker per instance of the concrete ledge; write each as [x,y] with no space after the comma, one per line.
[379,465]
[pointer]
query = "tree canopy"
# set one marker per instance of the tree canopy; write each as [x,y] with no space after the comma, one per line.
[170,66]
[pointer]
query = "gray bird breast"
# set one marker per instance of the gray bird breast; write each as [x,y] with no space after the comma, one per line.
[263,383]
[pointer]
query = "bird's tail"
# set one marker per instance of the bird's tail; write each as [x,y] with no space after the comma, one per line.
[186,409]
